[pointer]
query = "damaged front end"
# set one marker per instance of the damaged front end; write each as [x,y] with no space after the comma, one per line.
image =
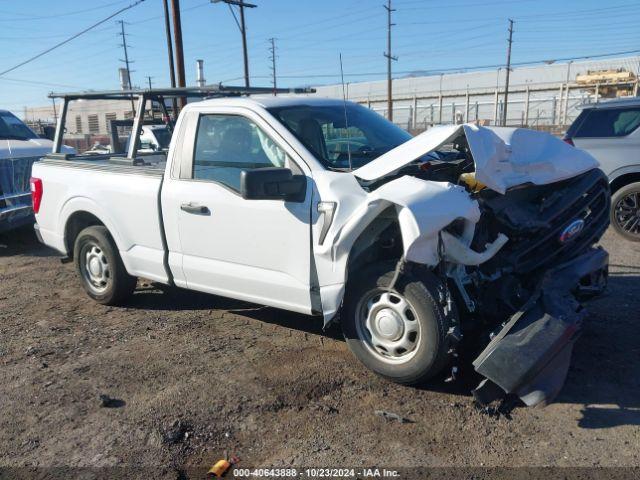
[519,257]
[536,282]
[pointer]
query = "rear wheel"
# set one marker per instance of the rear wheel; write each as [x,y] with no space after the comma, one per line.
[625,211]
[100,267]
[400,333]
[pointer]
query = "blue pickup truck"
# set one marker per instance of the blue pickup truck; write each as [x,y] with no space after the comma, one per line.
[19,148]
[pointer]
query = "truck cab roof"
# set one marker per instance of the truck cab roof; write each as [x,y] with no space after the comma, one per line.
[268,101]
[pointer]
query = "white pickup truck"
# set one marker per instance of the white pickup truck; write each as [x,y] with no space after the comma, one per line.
[325,208]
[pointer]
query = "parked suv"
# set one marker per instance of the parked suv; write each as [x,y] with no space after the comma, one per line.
[609,131]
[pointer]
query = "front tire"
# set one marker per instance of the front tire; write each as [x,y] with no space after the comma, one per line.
[625,211]
[400,334]
[100,268]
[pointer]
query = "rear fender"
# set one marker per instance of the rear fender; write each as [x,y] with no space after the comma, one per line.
[85,204]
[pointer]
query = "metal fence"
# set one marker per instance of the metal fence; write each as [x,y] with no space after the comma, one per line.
[548,106]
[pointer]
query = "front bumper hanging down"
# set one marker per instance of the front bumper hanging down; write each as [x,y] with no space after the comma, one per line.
[530,356]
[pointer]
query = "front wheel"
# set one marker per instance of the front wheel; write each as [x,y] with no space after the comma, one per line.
[625,211]
[400,334]
[100,267]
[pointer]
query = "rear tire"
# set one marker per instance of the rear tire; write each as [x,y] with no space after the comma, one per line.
[625,211]
[399,334]
[100,268]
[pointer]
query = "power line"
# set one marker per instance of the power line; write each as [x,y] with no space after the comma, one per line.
[461,69]
[59,15]
[35,82]
[73,37]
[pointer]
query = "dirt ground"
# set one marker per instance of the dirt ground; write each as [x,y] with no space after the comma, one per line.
[191,377]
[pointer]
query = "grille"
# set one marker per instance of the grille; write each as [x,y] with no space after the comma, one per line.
[14,181]
[586,198]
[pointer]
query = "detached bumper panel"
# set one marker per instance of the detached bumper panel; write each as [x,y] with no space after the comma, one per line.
[530,356]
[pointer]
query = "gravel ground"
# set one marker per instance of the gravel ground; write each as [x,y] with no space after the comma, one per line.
[187,377]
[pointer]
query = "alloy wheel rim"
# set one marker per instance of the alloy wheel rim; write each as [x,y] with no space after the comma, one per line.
[388,326]
[627,213]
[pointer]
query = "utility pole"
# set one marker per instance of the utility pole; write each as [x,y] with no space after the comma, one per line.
[126,54]
[149,77]
[245,54]
[126,62]
[389,58]
[241,4]
[172,70]
[272,50]
[506,87]
[177,33]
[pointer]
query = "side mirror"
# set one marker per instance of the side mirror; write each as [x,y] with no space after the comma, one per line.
[272,183]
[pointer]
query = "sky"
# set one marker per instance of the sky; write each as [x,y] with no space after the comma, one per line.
[428,36]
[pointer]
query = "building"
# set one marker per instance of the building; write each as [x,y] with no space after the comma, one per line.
[543,96]
[539,96]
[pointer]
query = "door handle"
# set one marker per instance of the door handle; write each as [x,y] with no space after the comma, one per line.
[195,208]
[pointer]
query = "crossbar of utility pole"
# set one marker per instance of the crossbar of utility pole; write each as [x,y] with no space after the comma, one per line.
[389,58]
[506,82]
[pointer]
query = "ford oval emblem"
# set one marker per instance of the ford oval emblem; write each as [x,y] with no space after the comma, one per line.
[573,229]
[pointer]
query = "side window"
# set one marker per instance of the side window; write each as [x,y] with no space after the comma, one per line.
[609,122]
[228,144]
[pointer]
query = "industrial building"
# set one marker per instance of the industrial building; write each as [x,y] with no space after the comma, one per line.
[540,96]
[544,96]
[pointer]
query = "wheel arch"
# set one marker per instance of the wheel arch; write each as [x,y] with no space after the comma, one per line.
[367,247]
[623,180]
[79,213]
[77,222]
[352,252]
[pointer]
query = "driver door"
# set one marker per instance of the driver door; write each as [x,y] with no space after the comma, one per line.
[254,250]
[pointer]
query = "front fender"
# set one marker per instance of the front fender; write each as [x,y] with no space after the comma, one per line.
[423,209]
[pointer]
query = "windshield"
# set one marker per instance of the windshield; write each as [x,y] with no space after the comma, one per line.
[323,130]
[11,128]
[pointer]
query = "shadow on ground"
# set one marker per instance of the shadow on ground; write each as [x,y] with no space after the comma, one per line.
[604,377]
[605,371]
[23,241]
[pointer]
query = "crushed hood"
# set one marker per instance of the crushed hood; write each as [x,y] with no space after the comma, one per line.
[504,157]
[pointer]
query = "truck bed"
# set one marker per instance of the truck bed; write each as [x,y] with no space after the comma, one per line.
[152,164]
[125,198]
